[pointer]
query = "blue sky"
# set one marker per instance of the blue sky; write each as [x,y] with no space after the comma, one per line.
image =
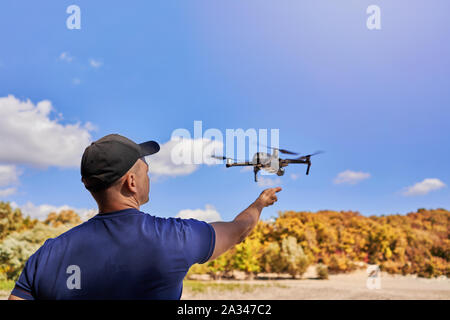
[377,101]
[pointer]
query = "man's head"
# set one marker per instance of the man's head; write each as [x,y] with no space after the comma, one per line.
[132,188]
[114,170]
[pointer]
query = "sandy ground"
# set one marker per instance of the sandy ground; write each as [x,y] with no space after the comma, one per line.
[4,295]
[337,287]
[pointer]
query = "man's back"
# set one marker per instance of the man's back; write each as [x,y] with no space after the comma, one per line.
[125,254]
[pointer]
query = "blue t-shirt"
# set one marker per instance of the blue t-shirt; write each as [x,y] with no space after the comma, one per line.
[125,254]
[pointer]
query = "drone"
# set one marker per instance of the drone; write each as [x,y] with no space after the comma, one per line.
[270,162]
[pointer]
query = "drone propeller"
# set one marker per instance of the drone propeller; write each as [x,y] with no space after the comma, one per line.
[309,155]
[281,150]
[218,157]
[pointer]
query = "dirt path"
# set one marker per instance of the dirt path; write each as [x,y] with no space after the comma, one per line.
[345,286]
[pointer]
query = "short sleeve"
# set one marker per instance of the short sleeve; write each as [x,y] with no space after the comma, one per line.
[24,285]
[200,240]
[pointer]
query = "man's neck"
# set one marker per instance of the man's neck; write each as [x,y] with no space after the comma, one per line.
[115,207]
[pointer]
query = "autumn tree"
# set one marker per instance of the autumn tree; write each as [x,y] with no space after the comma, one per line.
[247,255]
[64,217]
[12,220]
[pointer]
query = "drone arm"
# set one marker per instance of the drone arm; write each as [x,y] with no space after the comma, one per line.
[239,164]
[255,171]
[285,162]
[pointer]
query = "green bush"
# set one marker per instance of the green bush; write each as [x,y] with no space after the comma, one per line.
[294,260]
[16,248]
[322,271]
[271,260]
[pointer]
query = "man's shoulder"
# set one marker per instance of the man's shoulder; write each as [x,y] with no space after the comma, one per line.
[178,221]
[72,232]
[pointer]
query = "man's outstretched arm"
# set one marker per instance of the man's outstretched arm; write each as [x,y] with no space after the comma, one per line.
[228,234]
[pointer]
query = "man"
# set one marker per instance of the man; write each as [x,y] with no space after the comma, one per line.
[123,253]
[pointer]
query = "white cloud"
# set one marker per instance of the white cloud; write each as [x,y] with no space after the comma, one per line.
[9,174]
[246,169]
[268,182]
[95,63]
[41,211]
[29,136]
[209,214]
[424,187]
[65,56]
[351,177]
[7,192]
[294,176]
[167,161]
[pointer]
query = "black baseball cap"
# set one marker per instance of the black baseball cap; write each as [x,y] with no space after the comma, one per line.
[109,158]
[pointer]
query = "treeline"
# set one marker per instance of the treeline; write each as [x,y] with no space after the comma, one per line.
[415,243]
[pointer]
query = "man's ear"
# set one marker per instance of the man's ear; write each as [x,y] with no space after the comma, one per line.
[131,182]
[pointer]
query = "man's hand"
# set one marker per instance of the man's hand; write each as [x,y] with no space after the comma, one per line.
[228,234]
[268,197]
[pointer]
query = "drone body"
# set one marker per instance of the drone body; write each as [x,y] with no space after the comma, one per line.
[270,163]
